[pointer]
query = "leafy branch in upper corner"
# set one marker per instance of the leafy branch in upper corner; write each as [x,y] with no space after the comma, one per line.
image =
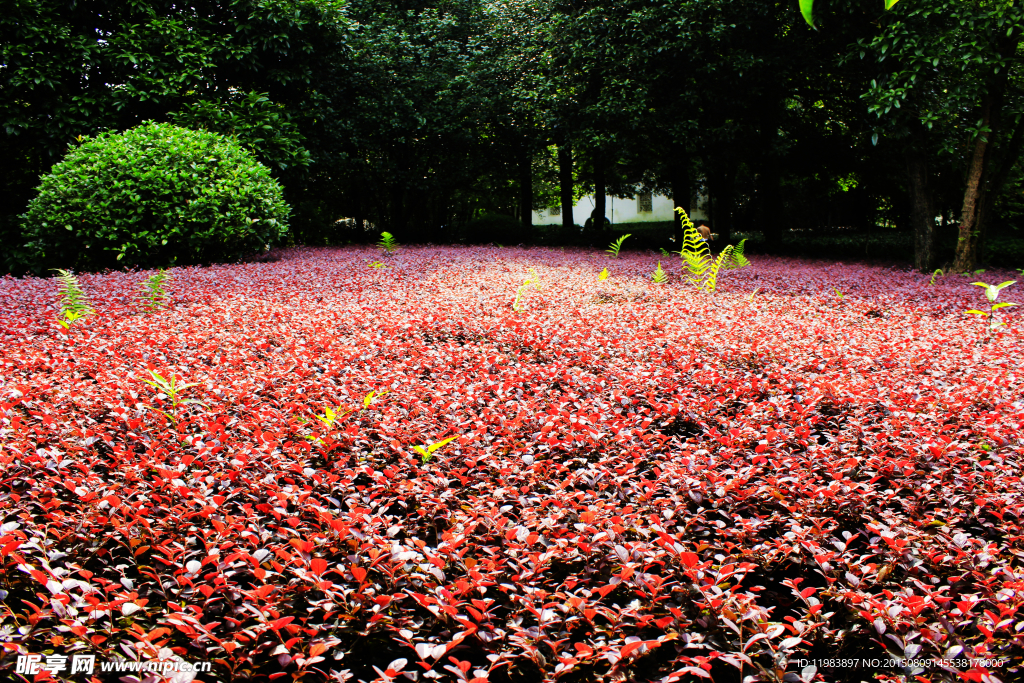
[992,293]
[388,243]
[73,303]
[155,290]
[614,247]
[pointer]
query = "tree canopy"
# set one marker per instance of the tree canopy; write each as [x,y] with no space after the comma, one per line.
[420,116]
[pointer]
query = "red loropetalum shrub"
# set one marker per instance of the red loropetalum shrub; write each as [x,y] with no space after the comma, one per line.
[818,482]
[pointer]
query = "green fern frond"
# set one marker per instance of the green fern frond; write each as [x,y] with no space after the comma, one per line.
[613,249]
[659,275]
[73,302]
[696,255]
[737,256]
[711,283]
[388,243]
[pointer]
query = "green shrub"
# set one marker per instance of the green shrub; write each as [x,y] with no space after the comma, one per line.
[152,196]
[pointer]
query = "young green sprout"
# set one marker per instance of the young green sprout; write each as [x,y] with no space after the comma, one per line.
[169,387]
[992,293]
[659,275]
[532,280]
[604,275]
[371,397]
[377,264]
[388,243]
[73,304]
[613,249]
[938,272]
[331,416]
[155,289]
[428,452]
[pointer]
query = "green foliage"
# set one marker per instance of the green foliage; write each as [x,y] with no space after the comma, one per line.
[428,452]
[659,276]
[388,243]
[992,293]
[517,305]
[603,275]
[736,258]
[82,68]
[262,126]
[701,269]
[155,290]
[153,195]
[73,303]
[168,387]
[938,271]
[613,249]
[807,9]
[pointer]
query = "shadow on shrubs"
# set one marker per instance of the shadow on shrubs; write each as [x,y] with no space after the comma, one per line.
[152,196]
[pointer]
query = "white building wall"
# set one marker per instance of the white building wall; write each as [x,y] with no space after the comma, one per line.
[617,210]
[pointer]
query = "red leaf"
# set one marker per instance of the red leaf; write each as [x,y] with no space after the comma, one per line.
[318,566]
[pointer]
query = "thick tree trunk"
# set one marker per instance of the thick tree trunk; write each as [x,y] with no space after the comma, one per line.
[600,199]
[526,189]
[922,211]
[981,189]
[682,191]
[565,184]
[974,196]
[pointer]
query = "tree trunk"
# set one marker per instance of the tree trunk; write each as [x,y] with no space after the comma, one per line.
[682,191]
[922,211]
[599,193]
[526,189]
[974,196]
[565,184]
[980,189]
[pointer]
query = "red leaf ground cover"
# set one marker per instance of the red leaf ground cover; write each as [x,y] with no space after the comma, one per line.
[816,481]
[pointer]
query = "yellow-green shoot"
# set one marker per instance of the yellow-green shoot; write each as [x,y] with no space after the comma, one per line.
[613,249]
[992,293]
[388,243]
[73,304]
[428,452]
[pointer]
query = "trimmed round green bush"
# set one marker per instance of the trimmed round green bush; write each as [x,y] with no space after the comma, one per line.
[152,196]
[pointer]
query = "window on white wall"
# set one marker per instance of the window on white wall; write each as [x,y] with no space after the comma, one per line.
[644,202]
